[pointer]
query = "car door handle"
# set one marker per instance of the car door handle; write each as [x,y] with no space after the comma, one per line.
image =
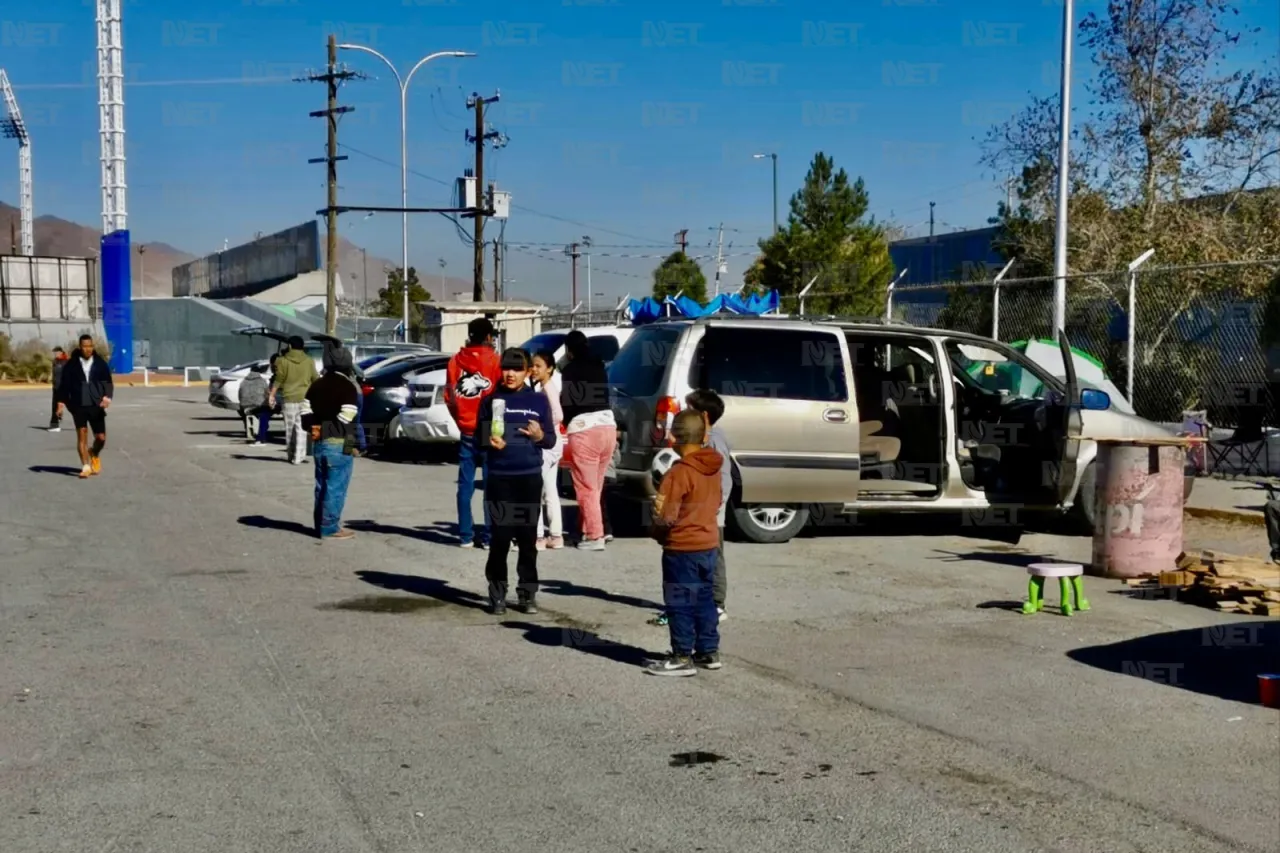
[835,416]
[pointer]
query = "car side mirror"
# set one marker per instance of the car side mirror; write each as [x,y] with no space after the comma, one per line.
[1093,400]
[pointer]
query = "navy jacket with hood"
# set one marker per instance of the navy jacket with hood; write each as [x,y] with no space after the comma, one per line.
[522,456]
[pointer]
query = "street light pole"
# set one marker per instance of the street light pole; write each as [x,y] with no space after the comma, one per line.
[586,242]
[774,158]
[403,83]
[1064,151]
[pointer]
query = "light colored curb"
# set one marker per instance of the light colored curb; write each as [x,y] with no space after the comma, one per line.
[1231,516]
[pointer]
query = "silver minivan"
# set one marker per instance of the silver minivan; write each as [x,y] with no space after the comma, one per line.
[828,418]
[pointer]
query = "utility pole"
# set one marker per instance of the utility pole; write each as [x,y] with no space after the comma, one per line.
[497,270]
[572,251]
[682,240]
[332,78]
[477,103]
[719,257]
[932,204]
[586,242]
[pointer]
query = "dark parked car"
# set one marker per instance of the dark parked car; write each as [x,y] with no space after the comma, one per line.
[386,390]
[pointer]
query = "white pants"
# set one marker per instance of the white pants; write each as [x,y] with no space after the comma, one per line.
[551,518]
[294,435]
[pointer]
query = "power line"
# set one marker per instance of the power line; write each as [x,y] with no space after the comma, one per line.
[543,214]
[208,81]
[564,259]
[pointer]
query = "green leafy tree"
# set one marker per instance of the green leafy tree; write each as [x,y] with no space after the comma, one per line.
[829,235]
[391,298]
[678,272]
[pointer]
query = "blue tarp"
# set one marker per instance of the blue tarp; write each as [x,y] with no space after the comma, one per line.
[649,309]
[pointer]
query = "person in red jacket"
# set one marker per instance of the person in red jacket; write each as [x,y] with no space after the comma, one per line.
[473,374]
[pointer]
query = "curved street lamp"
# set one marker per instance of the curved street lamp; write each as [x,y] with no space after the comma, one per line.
[773,157]
[403,83]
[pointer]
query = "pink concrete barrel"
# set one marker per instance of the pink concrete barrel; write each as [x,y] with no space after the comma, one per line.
[1139,508]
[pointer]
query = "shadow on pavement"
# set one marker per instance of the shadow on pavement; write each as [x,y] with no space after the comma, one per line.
[222,433]
[55,469]
[1020,559]
[244,457]
[1218,660]
[587,642]
[263,523]
[428,587]
[569,588]
[423,534]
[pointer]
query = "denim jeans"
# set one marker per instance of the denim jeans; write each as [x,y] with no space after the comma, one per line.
[687,578]
[264,425]
[469,458]
[362,442]
[333,476]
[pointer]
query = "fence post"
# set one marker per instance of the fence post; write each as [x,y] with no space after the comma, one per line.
[803,292]
[1133,315]
[995,301]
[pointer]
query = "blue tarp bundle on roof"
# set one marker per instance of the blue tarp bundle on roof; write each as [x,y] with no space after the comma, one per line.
[649,309]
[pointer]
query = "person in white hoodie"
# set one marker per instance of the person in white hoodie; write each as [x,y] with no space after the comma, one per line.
[551,517]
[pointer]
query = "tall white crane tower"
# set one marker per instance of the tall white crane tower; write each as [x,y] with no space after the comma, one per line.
[111,115]
[13,127]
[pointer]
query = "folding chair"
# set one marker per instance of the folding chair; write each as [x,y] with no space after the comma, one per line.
[1240,452]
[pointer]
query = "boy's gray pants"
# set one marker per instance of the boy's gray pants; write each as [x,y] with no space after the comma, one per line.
[720,585]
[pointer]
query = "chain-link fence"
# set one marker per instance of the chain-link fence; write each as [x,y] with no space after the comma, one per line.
[565,318]
[1195,330]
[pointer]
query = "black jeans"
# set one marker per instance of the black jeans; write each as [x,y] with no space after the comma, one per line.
[54,420]
[513,504]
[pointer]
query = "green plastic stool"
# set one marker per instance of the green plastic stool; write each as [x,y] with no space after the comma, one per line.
[1070,579]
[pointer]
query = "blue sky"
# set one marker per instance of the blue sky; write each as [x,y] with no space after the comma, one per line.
[633,120]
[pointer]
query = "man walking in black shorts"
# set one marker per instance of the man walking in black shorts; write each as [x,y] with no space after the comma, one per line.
[86,388]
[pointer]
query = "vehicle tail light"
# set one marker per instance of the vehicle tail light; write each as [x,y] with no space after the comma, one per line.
[366,390]
[663,416]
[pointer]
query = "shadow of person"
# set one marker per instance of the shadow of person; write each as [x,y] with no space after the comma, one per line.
[428,587]
[55,469]
[263,523]
[555,587]
[582,640]
[424,534]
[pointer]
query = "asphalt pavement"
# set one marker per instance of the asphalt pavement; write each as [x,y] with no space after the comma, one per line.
[185,669]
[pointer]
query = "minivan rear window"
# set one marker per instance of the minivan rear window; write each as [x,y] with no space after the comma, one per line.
[783,364]
[641,364]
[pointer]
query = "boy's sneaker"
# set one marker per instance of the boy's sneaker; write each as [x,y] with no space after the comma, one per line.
[555,543]
[55,429]
[483,546]
[660,619]
[676,665]
[608,537]
[591,545]
[95,465]
[711,660]
[541,544]
[466,544]
[722,613]
[498,608]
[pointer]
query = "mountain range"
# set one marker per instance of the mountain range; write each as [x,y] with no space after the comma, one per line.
[153,263]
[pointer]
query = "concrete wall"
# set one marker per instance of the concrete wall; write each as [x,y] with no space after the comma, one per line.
[253,267]
[172,332]
[446,323]
[52,332]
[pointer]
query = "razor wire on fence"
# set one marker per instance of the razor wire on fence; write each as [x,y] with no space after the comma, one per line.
[1191,342]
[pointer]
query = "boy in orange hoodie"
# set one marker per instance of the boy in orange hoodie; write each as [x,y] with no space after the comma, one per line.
[473,375]
[685,524]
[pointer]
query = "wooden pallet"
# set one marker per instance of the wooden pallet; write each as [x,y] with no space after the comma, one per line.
[1225,582]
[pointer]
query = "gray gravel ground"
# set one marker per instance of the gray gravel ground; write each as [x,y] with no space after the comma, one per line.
[176,679]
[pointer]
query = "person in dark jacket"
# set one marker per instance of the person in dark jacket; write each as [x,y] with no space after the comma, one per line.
[59,362]
[328,416]
[86,387]
[515,425]
[592,434]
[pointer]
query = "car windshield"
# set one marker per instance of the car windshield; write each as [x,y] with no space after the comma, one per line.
[551,341]
[999,371]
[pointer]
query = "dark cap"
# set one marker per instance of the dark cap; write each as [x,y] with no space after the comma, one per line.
[479,329]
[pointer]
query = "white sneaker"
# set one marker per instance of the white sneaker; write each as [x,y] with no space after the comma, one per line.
[591,545]
[608,538]
[55,429]
[258,444]
[722,614]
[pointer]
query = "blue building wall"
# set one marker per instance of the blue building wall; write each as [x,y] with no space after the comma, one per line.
[944,257]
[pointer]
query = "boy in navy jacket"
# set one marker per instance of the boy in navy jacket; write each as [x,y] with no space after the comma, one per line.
[513,486]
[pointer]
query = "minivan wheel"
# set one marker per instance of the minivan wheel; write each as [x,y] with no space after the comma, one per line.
[768,525]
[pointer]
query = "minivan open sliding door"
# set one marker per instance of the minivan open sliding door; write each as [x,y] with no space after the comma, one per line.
[791,417]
